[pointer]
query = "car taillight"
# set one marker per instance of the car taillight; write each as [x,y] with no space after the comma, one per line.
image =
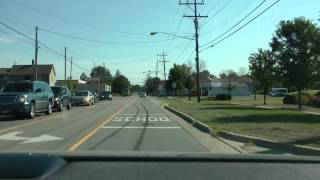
[23,98]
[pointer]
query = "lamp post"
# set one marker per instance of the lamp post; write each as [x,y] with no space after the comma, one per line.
[197,56]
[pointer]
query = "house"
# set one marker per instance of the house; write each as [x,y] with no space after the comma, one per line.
[217,87]
[3,76]
[46,73]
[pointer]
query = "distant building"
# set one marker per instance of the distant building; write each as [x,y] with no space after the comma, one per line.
[46,73]
[217,87]
[3,76]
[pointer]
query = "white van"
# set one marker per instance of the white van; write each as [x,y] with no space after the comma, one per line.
[279,92]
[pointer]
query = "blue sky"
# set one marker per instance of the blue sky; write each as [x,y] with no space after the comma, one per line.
[126,25]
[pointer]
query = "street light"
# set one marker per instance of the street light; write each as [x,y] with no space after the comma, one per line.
[175,35]
[197,55]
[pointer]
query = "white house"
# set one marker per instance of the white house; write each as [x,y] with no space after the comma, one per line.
[217,87]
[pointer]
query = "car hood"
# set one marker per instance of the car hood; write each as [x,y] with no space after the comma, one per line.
[79,97]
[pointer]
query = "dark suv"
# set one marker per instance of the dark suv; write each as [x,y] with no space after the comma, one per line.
[62,97]
[26,98]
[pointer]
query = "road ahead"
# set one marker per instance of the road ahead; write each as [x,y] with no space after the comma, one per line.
[124,124]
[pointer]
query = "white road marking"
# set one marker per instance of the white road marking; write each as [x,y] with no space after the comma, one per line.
[140,127]
[13,137]
[142,114]
[140,118]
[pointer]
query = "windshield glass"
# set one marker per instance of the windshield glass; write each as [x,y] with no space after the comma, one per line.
[18,87]
[246,72]
[81,93]
[56,90]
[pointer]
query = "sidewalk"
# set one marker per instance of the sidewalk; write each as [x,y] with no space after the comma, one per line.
[305,109]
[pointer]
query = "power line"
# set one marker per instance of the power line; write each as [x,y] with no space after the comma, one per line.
[216,13]
[98,41]
[74,21]
[241,26]
[240,21]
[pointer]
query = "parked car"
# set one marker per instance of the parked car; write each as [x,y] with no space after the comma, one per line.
[143,94]
[105,95]
[82,97]
[96,97]
[26,98]
[62,97]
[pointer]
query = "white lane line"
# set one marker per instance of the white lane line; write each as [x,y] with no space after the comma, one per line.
[140,127]
[142,114]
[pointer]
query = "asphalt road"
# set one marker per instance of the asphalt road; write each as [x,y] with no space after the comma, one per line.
[124,124]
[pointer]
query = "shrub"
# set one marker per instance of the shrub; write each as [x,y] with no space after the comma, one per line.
[293,99]
[314,101]
[289,99]
[223,97]
[317,94]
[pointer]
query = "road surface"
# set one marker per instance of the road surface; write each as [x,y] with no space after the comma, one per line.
[124,124]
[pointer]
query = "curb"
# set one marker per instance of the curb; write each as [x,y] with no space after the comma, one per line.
[267,143]
[187,118]
[197,124]
[294,149]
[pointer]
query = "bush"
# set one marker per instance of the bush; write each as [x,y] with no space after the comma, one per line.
[293,99]
[317,94]
[314,101]
[223,97]
[289,99]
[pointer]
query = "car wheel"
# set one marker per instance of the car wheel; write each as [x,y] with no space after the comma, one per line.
[32,111]
[69,105]
[60,107]
[49,110]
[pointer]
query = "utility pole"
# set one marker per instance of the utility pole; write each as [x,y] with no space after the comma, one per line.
[36,55]
[164,64]
[156,81]
[196,16]
[164,69]
[71,70]
[65,63]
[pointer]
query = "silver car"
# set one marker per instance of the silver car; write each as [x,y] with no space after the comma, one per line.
[83,97]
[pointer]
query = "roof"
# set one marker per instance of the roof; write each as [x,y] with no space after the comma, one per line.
[4,71]
[29,69]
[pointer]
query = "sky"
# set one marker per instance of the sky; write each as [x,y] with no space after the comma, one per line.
[117,33]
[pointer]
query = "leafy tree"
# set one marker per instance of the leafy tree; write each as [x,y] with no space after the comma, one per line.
[151,85]
[295,45]
[83,77]
[229,80]
[135,87]
[189,84]
[102,73]
[119,82]
[262,70]
[179,74]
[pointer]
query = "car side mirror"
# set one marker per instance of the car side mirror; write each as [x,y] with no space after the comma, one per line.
[39,90]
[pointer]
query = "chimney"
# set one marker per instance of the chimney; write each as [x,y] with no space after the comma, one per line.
[32,62]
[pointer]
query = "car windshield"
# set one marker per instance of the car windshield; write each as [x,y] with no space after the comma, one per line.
[18,87]
[56,90]
[81,93]
[215,76]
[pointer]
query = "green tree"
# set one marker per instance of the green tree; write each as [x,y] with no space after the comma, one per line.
[151,85]
[189,84]
[178,74]
[135,87]
[229,80]
[262,70]
[83,77]
[119,82]
[100,72]
[295,45]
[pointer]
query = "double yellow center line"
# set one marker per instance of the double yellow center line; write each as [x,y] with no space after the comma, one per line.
[86,137]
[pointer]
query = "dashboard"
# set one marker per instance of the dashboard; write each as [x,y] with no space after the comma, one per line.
[146,165]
